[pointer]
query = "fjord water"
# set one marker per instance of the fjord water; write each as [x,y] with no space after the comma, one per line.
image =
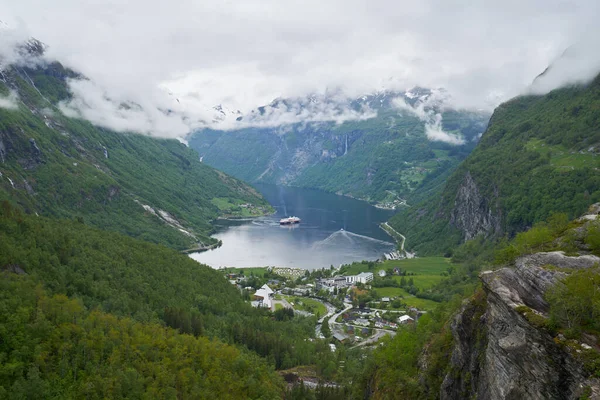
[334,230]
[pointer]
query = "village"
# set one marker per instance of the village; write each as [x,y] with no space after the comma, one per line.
[354,304]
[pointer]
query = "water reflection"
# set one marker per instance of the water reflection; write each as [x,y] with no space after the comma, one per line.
[334,230]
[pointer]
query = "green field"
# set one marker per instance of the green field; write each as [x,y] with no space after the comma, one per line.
[233,207]
[427,270]
[409,299]
[427,273]
[307,304]
[561,157]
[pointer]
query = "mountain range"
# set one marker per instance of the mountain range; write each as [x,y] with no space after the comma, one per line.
[379,147]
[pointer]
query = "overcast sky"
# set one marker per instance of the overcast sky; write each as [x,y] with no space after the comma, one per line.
[245,53]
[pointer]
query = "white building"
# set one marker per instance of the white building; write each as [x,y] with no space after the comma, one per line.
[330,284]
[363,277]
[264,297]
[405,319]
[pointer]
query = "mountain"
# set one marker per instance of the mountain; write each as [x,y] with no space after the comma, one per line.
[379,147]
[53,165]
[539,155]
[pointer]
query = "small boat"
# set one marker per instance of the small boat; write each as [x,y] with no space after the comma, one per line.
[289,221]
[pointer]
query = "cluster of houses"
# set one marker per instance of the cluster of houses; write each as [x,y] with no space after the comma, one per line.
[340,282]
[301,290]
[288,272]
[365,318]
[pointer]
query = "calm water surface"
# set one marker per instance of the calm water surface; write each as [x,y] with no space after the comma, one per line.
[334,230]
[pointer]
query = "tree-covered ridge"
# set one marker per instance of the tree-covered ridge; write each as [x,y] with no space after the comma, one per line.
[379,159]
[149,283]
[63,167]
[52,347]
[539,155]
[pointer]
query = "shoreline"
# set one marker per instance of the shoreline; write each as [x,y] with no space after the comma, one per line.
[203,248]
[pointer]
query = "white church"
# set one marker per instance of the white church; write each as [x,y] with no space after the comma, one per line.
[263,297]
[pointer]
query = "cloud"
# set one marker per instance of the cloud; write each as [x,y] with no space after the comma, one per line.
[9,102]
[428,109]
[192,56]
[435,132]
[579,64]
[149,116]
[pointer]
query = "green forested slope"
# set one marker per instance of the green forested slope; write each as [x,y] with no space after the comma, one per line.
[65,167]
[539,155]
[148,282]
[52,347]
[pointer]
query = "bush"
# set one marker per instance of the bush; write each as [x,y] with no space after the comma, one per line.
[575,302]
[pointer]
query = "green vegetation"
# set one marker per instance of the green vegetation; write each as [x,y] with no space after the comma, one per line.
[53,347]
[422,266]
[538,156]
[408,300]
[387,158]
[393,369]
[256,271]
[67,168]
[309,305]
[575,303]
[147,282]
[416,282]
[557,233]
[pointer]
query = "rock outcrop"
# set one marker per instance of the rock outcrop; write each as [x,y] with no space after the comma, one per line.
[502,353]
[472,213]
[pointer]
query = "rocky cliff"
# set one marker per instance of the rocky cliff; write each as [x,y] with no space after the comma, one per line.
[472,213]
[503,348]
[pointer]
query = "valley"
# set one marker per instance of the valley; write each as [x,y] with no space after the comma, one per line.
[358,236]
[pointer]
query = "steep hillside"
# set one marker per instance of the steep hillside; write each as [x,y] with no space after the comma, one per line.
[83,314]
[152,189]
[539,155]
[53,347]
[528,330]
[533,331]
[383,158]
[148,283]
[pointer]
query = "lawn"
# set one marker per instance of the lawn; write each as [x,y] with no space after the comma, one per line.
[427,273]
[427,270]
[420,266]
[409,299]
[308,304]
[423,282]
